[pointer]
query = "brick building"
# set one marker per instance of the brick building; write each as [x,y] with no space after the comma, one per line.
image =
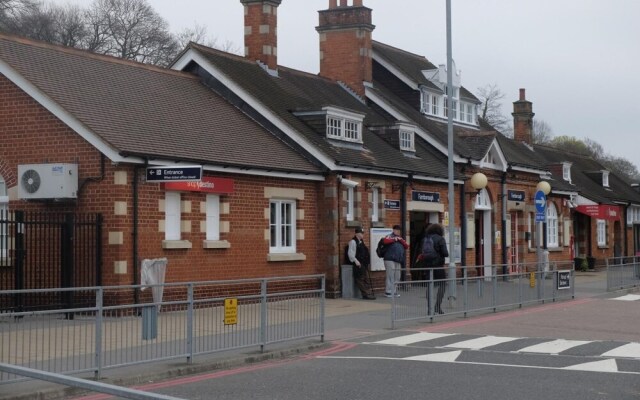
[292,162]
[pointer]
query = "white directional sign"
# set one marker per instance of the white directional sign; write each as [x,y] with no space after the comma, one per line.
[174,173]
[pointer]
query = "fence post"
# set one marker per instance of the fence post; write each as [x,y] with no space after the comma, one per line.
[20,256]
[465,282]
[190,323]
[98,247]
[263,314]
[98,332]
[66,260]
[322,305]
[494,272]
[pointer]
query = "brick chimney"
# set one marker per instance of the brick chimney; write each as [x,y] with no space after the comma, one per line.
[523,120]
[260,31]
[345,44]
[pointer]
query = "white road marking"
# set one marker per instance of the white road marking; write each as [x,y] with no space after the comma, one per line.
[450,356]
[596,366]
[629,297]
[553,347]
[414,338]
[481,342]
[629,350]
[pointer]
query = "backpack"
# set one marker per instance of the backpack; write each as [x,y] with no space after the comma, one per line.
[429,249]
[381,248]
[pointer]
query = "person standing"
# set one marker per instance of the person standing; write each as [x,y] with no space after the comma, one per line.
[434,251]
[358,255]
[394,258]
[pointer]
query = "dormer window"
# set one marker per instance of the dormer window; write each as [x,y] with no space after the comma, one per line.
[605,179]
[344,125]
[407,140]
[566,172]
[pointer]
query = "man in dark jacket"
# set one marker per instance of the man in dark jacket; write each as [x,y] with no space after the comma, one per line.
[433,255]
[394,259]
[358,255]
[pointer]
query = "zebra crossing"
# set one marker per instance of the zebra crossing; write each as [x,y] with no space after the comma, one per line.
[525,345]
[628,297]
[511,352]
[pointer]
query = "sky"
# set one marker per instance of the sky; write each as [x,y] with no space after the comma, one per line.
[577,59]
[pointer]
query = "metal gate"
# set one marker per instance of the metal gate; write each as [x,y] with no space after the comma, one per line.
[41,250]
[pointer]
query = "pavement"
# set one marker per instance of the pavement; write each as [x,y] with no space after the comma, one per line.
[346,319]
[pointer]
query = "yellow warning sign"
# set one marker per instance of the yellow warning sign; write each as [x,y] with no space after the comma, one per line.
[230,311]
[532,279]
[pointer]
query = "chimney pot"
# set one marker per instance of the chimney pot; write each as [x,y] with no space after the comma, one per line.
[333,3]
[522,96]
[357,3]
[343,3]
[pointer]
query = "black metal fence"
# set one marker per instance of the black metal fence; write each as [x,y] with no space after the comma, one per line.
[40,250]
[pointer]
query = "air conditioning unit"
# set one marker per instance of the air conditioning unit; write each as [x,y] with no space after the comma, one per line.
[48,181]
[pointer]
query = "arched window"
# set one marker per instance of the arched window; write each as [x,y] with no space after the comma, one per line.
[552,226]
[482,200]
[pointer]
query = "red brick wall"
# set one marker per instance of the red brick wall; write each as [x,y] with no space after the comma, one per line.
[33,135]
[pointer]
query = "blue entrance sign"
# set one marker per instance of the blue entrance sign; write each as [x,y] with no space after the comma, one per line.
[540,201]
[174,174]
[392,204]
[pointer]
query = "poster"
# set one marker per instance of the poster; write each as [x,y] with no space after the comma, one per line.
[375,234]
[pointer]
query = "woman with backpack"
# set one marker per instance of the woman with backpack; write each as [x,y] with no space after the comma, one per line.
[434,251]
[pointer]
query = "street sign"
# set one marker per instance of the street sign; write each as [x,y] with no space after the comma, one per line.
[392,204]
[174,174]
[540,201]
[230,311]
[564,279]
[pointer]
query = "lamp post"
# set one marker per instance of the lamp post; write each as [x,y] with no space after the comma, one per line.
[452,260]
[541,246]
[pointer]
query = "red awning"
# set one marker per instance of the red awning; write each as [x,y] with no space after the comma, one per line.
[601,211]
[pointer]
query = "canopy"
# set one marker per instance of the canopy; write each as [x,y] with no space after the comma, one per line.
[601,211]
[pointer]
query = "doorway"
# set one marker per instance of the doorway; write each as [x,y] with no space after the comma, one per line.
[482,217]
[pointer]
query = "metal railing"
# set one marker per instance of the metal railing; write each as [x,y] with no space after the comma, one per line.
[481,288]
[623,273]
[192,319]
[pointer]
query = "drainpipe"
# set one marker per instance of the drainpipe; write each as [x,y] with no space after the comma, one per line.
[503,188]
[463,228]
[136,281]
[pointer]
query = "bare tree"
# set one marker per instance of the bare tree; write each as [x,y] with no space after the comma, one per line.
[198,34]
[12,11]
[491,108]
[130,29]
[542,133]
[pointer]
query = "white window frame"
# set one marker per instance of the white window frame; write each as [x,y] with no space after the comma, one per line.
[343,125]
[406,138]
[601,232]
[351,194]
[482,200]
[552,226]
[375,203]
[435,109]
[566,172]
[172,216]
[605,178]
[212,217]
[425,101]
[282,226]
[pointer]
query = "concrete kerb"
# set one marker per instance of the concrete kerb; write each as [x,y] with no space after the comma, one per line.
[345,319]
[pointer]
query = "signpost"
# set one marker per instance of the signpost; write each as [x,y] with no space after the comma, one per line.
[174,173]
[564,279]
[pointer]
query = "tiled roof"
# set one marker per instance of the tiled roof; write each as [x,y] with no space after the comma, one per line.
[413,65]
[147,111]
[294,91]
[583,172]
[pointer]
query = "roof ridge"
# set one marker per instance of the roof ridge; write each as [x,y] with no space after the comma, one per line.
[401,50]
[88,54]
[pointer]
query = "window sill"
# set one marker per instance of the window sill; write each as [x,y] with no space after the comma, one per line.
[603,247]
[377,224]
[216,244]
[555,249]
[176,244]
[276,257]
[353,224]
